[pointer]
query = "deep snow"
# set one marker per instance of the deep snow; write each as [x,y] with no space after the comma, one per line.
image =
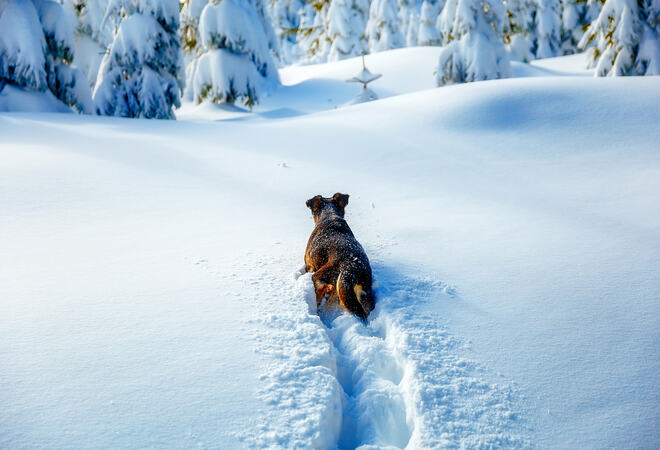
[150,270]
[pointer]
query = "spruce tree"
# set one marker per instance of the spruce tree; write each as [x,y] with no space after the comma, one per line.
[313,32]
[572,23]
[141,75]
[520,35]
[475,50]
[346,28]
[94,35]
[428,33]
[548,24]
[285,16]
[235,63]
[383,28]
[625,38]
[36,52]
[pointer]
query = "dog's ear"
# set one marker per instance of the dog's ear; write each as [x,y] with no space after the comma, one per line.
[314,203]
[341,200]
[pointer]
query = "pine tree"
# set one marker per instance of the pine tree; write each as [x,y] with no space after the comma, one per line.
[313,32]
[409,19]
[140,76]
[346,28]
[36,52]
[428,33]
[383,29]
[235,62]
[548,24]
[572,23]
[285,16]
[475,50]
[626,37]
[520,35]
[94,35]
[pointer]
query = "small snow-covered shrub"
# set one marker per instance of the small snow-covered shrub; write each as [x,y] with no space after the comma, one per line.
[140,76]
[235,62]
[474,51]
[36,51]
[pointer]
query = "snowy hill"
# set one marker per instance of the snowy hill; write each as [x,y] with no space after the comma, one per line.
[151,287]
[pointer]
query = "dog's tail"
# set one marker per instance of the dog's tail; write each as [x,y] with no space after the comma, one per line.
[353,296]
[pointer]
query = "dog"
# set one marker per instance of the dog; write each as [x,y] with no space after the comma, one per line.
[339,263]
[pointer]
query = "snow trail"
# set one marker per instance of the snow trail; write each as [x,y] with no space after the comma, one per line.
[398,381]
[375,407]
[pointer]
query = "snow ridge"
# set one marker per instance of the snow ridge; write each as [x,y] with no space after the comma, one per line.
[396,382]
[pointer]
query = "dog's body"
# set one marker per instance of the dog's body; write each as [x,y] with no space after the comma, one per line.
[339,263]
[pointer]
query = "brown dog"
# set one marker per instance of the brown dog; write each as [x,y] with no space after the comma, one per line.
[339,263]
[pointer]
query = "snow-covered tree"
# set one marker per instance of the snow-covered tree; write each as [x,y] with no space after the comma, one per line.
[285,15]
[428,33]
[347,21]
[572,22]
[548,25]
[409,19]
[94,34]
[475,50]
[520,35]
[267,27]
[383,27]
[140,76]
[36,51]
[235,62]
[626,37]
[191,10]
[313,32]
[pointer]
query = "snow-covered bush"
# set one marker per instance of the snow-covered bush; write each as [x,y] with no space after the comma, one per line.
[346,25]
[548,24]
[36,51]
[475,50]
[235,62]
[626,38]
[428,33]
[140,76]
[383,27]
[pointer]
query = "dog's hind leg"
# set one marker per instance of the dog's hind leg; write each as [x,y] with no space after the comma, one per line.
[324,280]
[348,296]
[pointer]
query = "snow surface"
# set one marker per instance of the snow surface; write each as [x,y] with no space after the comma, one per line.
[152,294]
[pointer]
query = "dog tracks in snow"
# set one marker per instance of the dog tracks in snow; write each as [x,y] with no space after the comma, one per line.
[399,381]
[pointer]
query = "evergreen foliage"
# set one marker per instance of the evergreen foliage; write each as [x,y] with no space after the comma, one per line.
[474,48]
[625,38]
[36,51]
[234,62]
[140,76]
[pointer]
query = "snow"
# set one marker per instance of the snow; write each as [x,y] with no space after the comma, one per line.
[152,293]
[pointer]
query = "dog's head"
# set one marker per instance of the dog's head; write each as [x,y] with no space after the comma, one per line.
[318,204]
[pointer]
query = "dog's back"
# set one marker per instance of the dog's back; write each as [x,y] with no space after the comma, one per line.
[339,262]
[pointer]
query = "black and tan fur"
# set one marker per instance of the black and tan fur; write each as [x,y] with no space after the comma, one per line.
[340,265]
